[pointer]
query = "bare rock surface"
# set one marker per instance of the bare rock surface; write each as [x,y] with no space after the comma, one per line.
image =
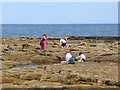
[25,66]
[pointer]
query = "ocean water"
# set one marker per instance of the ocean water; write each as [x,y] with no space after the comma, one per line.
[58,30]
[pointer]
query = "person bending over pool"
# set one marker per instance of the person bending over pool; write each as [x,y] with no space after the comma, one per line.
[62,42]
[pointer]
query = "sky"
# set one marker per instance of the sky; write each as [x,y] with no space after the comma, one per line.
[60,0]
[59,12]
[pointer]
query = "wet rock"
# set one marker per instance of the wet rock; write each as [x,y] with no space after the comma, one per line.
[24,50]
[55,77]
[106,50]
[15,44]
[53,69]
[93,45]
[43,85]
[32,83]
[40,59]
[46,76]
[31,76]
[69,79]
[6,49]
[56,43]
[50,51]
[25,46]
[60,58]
[74,49]
[18,82]
[118,43]
[45,54]
[1,58]
[55,46]
[49,54]
[77,79]
[111,83]
[106,54]
[8,46]
[7,80]
[83,43]
[100,82]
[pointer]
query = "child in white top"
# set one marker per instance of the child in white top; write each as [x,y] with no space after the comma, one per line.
[67,57]
[81,57]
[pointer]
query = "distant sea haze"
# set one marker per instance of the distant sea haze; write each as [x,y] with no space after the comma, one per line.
[59,30]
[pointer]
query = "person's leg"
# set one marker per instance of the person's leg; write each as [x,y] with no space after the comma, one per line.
[80,60]
[64,46]
[63,62]
[83,60]
[43,45]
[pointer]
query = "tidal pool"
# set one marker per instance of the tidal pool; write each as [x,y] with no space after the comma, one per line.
[26,66]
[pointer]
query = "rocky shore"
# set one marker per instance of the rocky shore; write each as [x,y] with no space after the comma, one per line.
[25,66]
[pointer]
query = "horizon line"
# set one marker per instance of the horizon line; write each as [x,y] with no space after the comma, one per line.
[61,23]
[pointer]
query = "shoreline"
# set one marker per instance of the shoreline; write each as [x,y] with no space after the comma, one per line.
[71,37]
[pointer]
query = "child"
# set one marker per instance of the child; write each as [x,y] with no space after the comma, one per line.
[67,57]
[81,57]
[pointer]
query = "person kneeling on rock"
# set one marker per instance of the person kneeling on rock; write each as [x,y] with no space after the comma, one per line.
[68,58]
[81,57]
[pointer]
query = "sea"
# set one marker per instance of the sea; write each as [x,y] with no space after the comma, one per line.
[59,30]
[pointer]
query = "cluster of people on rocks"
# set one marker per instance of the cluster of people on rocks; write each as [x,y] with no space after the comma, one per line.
[69,59]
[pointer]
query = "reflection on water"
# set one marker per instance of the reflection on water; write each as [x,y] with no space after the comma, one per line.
[26,66]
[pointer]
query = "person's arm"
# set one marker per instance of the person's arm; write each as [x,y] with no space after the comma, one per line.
[78,57]
[44,37]
[60,42]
